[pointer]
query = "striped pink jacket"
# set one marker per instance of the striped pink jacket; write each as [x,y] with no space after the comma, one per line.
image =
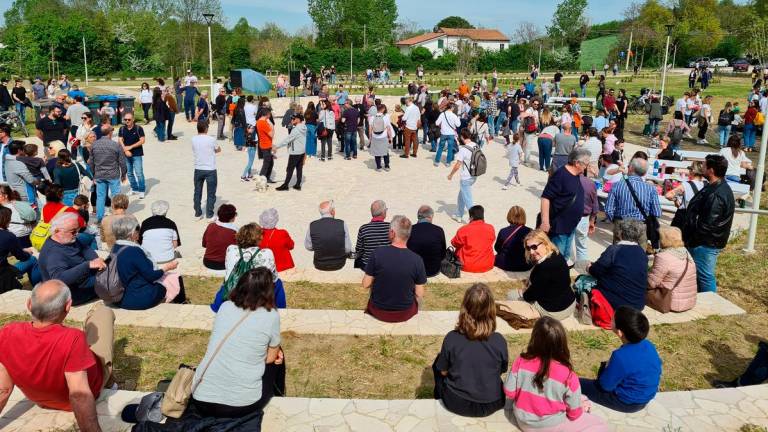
[558,402]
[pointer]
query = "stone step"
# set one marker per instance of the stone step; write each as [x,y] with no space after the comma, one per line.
[350,322]
[713,410]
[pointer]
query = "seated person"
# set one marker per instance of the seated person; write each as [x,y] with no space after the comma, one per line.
[10,245]
[472,359]
[328,238]
[276,240]
[510,244]
[544,388]
[66,259]
[218,236]
[395,276]
[159,235]
[55,366]
[631,377]
[474,242]
[250,320]
[54,206]
[144,285]
[119,209]
[622,269]
[427,240]
[673,270]
[549,290]
[373,234]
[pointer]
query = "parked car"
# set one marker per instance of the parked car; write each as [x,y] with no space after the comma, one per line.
[740,65]
[701,61]
[718,62]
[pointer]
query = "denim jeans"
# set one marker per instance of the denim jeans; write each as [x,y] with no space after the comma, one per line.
[464,202]
[654,125]
[21,109]
[249,164]
[69,197]
[160,130]
[749,136]
[580,238]
[101,194]
[31,269]
[448,141]
[189,109]
[725,133]
[584,90]
[350,144]
[513,125]
[563,243]
[209,177]
[135,165]
[545,153]
[491,125]
[500,120]
[705,258]
[169,128]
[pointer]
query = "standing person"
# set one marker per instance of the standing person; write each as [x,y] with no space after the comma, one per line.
[296,142]
[172,110]
[161,113]
[583,80]
[466,179]
[708,220]
[131,138]
[411,118]
[448,122]
[350,119]
[202,108]
[311,119]
[724,120]
[565,142]
[266,133]
[562,201]
[750,129]
[327,119]
[558,77]
[52,127]
[586,226]
[514,155]
[75,114]
[108,165]
[19,99]
[381,134]
[204,148]
[622,105]
[190,91]
[220,112]
[239,129]
[705,118]
[145,99]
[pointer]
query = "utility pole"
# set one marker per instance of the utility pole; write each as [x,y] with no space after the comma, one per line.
[209,20]
[365,37]
[758,192]
[351,74]
[540,47]
[85,60]
[629,49]
[666,58]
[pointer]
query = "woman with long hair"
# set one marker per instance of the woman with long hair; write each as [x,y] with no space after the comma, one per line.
[160,112]
[724,120]
[68,175]
[544,388]
[310,121]
[737,159]
[328,120]
[239,125]
[145,98]
[472,358]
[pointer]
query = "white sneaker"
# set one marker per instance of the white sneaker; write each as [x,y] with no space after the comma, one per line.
[505,187]
[141,195]
[457,219]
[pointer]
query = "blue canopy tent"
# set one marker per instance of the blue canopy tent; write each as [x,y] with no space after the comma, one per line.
[252,81]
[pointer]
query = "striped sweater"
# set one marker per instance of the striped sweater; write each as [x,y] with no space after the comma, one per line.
[371,235]
[560,400]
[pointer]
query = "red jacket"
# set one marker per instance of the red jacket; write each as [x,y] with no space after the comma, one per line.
[281,245]
[474,246]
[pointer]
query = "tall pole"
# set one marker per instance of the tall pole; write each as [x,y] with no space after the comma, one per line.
[629,50]
[365,36]
[350,65]
[209,20]
[758,191]
[85,60]
[540,58]
[666,58]
[674,55]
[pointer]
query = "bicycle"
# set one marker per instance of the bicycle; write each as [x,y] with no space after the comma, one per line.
[12,119]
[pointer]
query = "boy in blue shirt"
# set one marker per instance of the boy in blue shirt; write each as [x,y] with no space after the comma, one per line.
[631,377]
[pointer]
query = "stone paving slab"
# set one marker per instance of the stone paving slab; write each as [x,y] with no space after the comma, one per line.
[712,410]
[350,322]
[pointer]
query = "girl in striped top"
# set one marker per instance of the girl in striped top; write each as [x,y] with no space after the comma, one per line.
[544,388]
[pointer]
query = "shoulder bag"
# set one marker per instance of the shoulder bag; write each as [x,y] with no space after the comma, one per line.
[85,183]
[651,222]
[661,298]
[182,387]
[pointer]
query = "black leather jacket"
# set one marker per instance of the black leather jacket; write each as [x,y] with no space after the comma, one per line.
[709,216]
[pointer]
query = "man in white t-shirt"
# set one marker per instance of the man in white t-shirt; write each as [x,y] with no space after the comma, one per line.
[449,124]
[411,118]
[189,79]
[466,180]
[250,109]
[204,148]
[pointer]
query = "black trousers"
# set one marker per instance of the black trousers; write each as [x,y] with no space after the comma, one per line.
[457,405]
[269,162]
[272,384]
[295,162]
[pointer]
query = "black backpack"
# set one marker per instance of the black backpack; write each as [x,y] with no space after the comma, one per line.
[677,135]
[724,119]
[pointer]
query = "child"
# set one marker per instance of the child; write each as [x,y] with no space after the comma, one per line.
[472,358]
[609,140]
[631,377]
[106,111]
[543,387]
[35,165]
[617,156]
[514,154]
[88,233]
[612,172]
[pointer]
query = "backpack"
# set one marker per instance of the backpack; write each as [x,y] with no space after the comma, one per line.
[529,125]
[108,285]
[759,119]
[379,125]
[477,162]
[241,267]
[677,135]
[724,119]
[42,231]
[474,135]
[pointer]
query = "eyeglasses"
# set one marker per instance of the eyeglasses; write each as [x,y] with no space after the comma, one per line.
[532,247]
[83,118]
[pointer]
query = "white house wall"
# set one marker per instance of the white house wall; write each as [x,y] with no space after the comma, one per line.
[450,43]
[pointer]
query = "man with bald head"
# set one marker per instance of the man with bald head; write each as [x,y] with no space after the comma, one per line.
[64,258]
[328,238]
[55,366]
[372,235]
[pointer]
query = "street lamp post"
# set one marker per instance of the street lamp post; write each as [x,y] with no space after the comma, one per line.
[209,20]
[666,58]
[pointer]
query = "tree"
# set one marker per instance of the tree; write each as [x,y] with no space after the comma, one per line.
[569,24]
[697,28]
[421,55]
[526,32]
[340,23]
[454,22]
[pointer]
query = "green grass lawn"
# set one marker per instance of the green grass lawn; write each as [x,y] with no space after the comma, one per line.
[595,51]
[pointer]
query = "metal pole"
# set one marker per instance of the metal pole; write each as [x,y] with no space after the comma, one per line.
[629,50]
[210,61]
[664,72]
[85,60]
[540,58]
[758,191]
[350,65]
[365,38]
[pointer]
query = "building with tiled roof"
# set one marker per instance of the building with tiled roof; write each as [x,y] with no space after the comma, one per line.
[446,39]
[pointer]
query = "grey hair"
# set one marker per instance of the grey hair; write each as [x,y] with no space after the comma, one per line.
[52,307]
[630,230]
[61,220]
[326,207]
[124,227]
[160,208]
[401,225]
[378,208]
[425,212]
[268,218]
[579,154]
[639,166]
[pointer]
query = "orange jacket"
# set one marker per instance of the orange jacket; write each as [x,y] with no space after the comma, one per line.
[474,246]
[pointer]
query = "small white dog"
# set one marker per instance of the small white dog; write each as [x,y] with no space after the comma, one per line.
[260,183]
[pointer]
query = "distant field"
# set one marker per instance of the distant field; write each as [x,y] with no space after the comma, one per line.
[594,51]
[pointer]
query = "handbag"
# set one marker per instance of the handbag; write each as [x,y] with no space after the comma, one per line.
[514,320]
[451,266]
[661,298]
[651,222]
[182,385]
[85,184]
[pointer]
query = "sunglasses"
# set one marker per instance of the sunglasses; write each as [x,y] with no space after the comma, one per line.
[532,247]
[83,118]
